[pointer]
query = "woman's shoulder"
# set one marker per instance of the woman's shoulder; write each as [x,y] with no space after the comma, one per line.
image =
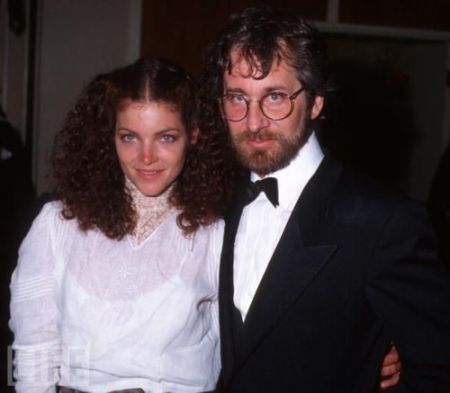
[212,236]
[46,213]
[50,222]
[50,213]
[201,239]
[52,208]
[211,231]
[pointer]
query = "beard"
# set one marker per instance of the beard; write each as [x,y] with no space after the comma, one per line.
[267,160]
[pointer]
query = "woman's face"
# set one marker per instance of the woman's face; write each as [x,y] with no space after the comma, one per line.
[151,143]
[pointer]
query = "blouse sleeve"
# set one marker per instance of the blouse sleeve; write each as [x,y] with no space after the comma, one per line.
[215,252]
[34,306]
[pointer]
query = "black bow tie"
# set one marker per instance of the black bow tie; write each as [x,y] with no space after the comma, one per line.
[269,186]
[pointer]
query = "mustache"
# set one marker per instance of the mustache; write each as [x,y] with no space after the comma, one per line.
[262,135]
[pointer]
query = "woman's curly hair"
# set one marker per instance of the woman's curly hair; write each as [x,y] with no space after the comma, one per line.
[88,178]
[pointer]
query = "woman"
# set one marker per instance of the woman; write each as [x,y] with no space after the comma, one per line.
[115,287]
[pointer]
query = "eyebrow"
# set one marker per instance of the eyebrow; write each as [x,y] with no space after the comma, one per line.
[267,89]
[125,129]
[162,131]
[168,129]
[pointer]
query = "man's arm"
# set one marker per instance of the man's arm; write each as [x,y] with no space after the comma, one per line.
[410,292]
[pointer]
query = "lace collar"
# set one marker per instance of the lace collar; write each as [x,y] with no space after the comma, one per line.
[151,211]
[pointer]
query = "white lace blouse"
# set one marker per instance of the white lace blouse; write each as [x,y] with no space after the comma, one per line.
[99,315]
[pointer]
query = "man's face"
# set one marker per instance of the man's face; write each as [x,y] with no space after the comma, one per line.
[264,145]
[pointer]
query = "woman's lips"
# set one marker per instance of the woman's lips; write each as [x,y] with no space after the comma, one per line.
[148,174]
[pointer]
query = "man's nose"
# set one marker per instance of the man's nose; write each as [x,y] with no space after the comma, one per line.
[255,118]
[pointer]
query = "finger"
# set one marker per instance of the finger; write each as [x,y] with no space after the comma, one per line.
[388,371]
[391,357]
[387,383]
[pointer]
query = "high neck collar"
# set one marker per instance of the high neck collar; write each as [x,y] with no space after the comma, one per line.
[150,211]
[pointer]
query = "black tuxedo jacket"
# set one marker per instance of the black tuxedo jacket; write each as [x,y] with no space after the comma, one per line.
[354,270]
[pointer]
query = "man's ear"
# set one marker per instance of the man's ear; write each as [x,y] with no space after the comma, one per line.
[317,107]
[193,135]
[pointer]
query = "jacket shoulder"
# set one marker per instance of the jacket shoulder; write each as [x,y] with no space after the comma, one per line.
[357,198]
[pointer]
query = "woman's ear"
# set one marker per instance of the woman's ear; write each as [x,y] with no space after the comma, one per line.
[193,135]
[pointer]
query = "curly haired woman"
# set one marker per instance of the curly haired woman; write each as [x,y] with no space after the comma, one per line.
[115,288]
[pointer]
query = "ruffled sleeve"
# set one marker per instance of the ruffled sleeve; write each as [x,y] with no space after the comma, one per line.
[34,305]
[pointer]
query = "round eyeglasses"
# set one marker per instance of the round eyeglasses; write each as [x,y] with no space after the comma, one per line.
[274,105]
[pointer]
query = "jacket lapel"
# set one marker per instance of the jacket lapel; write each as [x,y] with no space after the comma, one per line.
[301,253]
[228,334]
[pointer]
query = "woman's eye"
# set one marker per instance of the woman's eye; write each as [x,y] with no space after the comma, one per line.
[168,138]
[127,137]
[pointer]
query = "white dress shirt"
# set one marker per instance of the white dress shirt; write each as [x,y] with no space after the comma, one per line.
[99,315]
[261,224]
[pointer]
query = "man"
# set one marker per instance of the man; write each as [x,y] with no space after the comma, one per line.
[323,269]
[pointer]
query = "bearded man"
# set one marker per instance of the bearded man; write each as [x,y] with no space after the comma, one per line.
[324,268]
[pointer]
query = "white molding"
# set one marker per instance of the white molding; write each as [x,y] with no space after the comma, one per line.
[37,89]
[134,33]
[4,57]
[26,72]
[333,11]
[382,31]
[446,133]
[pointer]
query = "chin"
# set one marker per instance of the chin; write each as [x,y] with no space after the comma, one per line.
[153,193]
[150,190]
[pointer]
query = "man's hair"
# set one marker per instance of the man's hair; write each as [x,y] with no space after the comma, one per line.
[263,35]
[86,170]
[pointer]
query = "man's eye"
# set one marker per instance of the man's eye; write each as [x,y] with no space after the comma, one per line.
[235,99]
[275,97]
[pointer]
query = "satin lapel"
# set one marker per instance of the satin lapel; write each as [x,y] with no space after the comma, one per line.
[226,289]
[300,254]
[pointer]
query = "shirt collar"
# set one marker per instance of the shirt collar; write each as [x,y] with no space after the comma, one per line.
[293,178]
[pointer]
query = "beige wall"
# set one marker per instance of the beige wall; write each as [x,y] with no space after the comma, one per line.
[76,39]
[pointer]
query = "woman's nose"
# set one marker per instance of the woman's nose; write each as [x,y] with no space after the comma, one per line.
[148,154]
